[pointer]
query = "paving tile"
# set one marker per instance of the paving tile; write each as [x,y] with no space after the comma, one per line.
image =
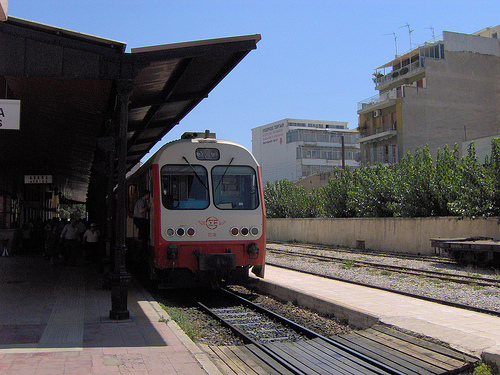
[69,332]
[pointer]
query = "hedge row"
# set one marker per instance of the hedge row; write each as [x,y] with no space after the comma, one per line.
[417,186]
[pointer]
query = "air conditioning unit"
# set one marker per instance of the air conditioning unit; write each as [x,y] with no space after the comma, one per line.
[377,113]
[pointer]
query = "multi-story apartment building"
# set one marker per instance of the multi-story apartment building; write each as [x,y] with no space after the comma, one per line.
[294,148]
[445,91]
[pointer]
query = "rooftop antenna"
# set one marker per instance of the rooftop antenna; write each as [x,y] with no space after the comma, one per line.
[395,41]
[409,32]
[432,30]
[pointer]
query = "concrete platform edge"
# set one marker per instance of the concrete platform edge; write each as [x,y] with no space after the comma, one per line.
[354,317]
[359,318]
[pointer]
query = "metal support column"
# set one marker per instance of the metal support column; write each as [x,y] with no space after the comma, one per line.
[120,277]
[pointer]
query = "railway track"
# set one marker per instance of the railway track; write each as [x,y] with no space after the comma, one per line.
[275,345]
[471,281]
[445,276]
[426,258]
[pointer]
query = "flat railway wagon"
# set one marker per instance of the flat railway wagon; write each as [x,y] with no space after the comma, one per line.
[477,251]
[207,217]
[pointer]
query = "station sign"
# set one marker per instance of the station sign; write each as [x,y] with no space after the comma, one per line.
[10,113]
[38,179]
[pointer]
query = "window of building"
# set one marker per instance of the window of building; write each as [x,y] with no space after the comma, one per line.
[435,51]
[292,136]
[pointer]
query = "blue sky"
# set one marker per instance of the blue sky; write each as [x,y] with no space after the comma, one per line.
[315,59]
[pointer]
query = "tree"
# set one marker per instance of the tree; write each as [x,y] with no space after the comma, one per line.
[494,172]
[475,191]
[416,189]
[285,200]
[336,194]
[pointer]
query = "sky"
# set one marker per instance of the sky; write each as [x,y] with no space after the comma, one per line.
[315,59]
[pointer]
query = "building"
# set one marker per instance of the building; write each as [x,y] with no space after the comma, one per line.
[445,91]
[295,148]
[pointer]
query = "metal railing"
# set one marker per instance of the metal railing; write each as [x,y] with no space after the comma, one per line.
[412,68]
[382,97]
[380,129]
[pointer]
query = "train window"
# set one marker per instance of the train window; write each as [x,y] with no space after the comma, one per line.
[235,188]
[184,187]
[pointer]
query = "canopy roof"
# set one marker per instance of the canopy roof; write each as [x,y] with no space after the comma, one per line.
[67,84]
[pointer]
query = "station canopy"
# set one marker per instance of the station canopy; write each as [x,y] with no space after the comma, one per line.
[67,85]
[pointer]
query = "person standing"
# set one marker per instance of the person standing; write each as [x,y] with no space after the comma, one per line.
[91,243]
[69,238]
[141,221]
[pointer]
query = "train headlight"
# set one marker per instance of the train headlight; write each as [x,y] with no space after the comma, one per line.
[172,251]
[180,232]
[253,249]
[254,231]
[190,232]
[207,154]
[170,232]
[244,231]
[234,231]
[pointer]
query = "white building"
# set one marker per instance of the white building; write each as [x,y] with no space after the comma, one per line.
[295,148]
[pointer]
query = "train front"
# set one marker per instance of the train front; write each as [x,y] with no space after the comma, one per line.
[209,218]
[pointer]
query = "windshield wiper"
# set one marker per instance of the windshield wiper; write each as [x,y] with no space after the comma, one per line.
[196,173]
[224,174]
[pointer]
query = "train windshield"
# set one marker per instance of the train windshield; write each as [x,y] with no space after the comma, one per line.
[184,187]
[235,188]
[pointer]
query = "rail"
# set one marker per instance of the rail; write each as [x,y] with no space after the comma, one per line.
[342,356]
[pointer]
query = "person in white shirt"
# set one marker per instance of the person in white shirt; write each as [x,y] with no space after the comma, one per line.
[91,242]
[69,238]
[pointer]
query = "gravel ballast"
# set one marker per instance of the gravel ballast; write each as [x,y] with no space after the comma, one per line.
[484,297]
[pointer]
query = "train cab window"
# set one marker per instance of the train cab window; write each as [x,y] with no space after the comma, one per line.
[235,188]
[184,187]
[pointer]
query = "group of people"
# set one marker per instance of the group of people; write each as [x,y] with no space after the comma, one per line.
[70,241]
[73,240]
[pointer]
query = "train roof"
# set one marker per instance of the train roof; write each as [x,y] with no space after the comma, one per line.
[189,137]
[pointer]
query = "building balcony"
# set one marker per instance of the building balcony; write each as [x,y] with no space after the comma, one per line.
[377,134]
[386,154]
[400,76]
[379,101]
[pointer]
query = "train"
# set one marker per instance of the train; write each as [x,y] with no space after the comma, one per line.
[206,223]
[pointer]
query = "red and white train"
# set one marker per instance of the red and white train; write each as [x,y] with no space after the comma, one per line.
[207,222]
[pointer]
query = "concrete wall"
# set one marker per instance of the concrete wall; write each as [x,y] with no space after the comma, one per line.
[407,235]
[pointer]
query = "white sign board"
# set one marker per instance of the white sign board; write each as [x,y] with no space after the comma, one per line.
[10,113]
[38,179]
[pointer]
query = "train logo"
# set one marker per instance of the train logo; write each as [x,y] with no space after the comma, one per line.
[212,223]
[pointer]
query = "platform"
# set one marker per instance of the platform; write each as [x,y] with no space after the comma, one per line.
[55,320]
[467,331]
